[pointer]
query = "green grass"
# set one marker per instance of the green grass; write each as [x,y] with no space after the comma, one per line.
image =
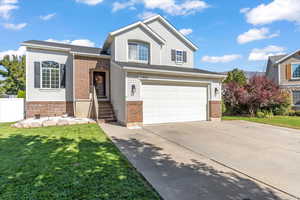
[72,162]
[284,121]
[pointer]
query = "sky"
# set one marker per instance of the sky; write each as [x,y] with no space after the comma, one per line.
[229,33]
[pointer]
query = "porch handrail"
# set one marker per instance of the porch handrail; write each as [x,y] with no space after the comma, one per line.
[95,101]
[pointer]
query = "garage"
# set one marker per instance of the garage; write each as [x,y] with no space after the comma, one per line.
[165,102]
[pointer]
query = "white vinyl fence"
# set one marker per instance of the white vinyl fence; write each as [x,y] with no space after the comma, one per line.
[11,109]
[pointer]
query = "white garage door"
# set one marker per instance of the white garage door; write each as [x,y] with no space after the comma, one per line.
[173,103]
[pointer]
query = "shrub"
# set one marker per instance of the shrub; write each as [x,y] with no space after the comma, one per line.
[223,107]
[292,113]
[21,94]
[297,113]
[260,114]
[259,93]
[268,114]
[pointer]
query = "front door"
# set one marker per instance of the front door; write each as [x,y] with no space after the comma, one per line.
[99,83]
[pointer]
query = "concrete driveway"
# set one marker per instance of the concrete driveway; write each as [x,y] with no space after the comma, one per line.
[232,160]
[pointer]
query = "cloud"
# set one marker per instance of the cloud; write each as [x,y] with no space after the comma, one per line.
[244,10]
[6,7]
[48,17]
[221,59]
[146,15]
[90,2]
[263,54]
[19,52]
[15,27]
[79,42]
[256,34]
[186,31]
[168,6]
[277,10]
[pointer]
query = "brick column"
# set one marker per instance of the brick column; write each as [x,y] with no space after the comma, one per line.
[134,115]
[215,110]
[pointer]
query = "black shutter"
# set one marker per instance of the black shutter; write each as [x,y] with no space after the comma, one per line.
[184,56]
[173,56]
[37,74]
[62,76]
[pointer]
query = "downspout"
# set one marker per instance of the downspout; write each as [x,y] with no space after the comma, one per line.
[74,99]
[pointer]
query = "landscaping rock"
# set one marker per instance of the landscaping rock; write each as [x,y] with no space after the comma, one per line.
[62,122]
[17,125]
[52,121]
[35,124]
[49,123]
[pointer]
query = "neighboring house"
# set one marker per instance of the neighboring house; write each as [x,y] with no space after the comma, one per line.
[251,74]
[285,71]
[143,74]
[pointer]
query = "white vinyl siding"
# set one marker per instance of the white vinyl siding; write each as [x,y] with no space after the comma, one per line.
[164,103]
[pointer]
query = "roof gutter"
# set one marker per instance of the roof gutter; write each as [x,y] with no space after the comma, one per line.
[45,47]
[134,69]
[286,57]
[91,55]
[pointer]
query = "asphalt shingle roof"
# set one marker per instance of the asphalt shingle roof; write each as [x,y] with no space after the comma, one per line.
[75,48]
[166,68]
[274,59]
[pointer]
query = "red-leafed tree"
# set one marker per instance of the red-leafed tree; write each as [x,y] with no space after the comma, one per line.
[259,93]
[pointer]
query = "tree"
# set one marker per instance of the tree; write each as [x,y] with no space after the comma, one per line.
[13,74]
[237,76]
[259,93]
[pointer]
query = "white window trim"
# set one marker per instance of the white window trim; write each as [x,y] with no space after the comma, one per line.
[294,78]
[136,60]
[41,78]
[176,60]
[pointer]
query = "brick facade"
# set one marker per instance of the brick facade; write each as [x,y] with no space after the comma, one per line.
[84,66]
[215,109]
[134,112]
[49,108]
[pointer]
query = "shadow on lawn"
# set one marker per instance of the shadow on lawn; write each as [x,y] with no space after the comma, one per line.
[194,181]
[38,167]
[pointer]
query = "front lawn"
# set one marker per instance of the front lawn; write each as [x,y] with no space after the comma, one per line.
[59,163]
[284,121]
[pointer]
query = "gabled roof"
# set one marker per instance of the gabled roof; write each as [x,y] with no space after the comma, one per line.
[274,59]
[152,32]
[286,57]
[148,29]
[175,31]
[69,47]
[131,26]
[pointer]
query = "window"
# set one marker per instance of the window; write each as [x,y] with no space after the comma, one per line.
[138,51]
[50,74]
[179,56]
[296,98]
[295,70]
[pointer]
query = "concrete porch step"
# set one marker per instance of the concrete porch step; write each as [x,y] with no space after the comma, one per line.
[107,120]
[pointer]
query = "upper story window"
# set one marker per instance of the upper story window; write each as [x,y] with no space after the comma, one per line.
[50,74]
[138,51]
[296,70]
[178,56]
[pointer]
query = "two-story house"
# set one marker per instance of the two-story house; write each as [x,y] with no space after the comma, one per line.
[285,71]
[143,74]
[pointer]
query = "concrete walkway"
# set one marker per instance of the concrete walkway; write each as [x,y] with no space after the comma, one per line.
[181,172]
